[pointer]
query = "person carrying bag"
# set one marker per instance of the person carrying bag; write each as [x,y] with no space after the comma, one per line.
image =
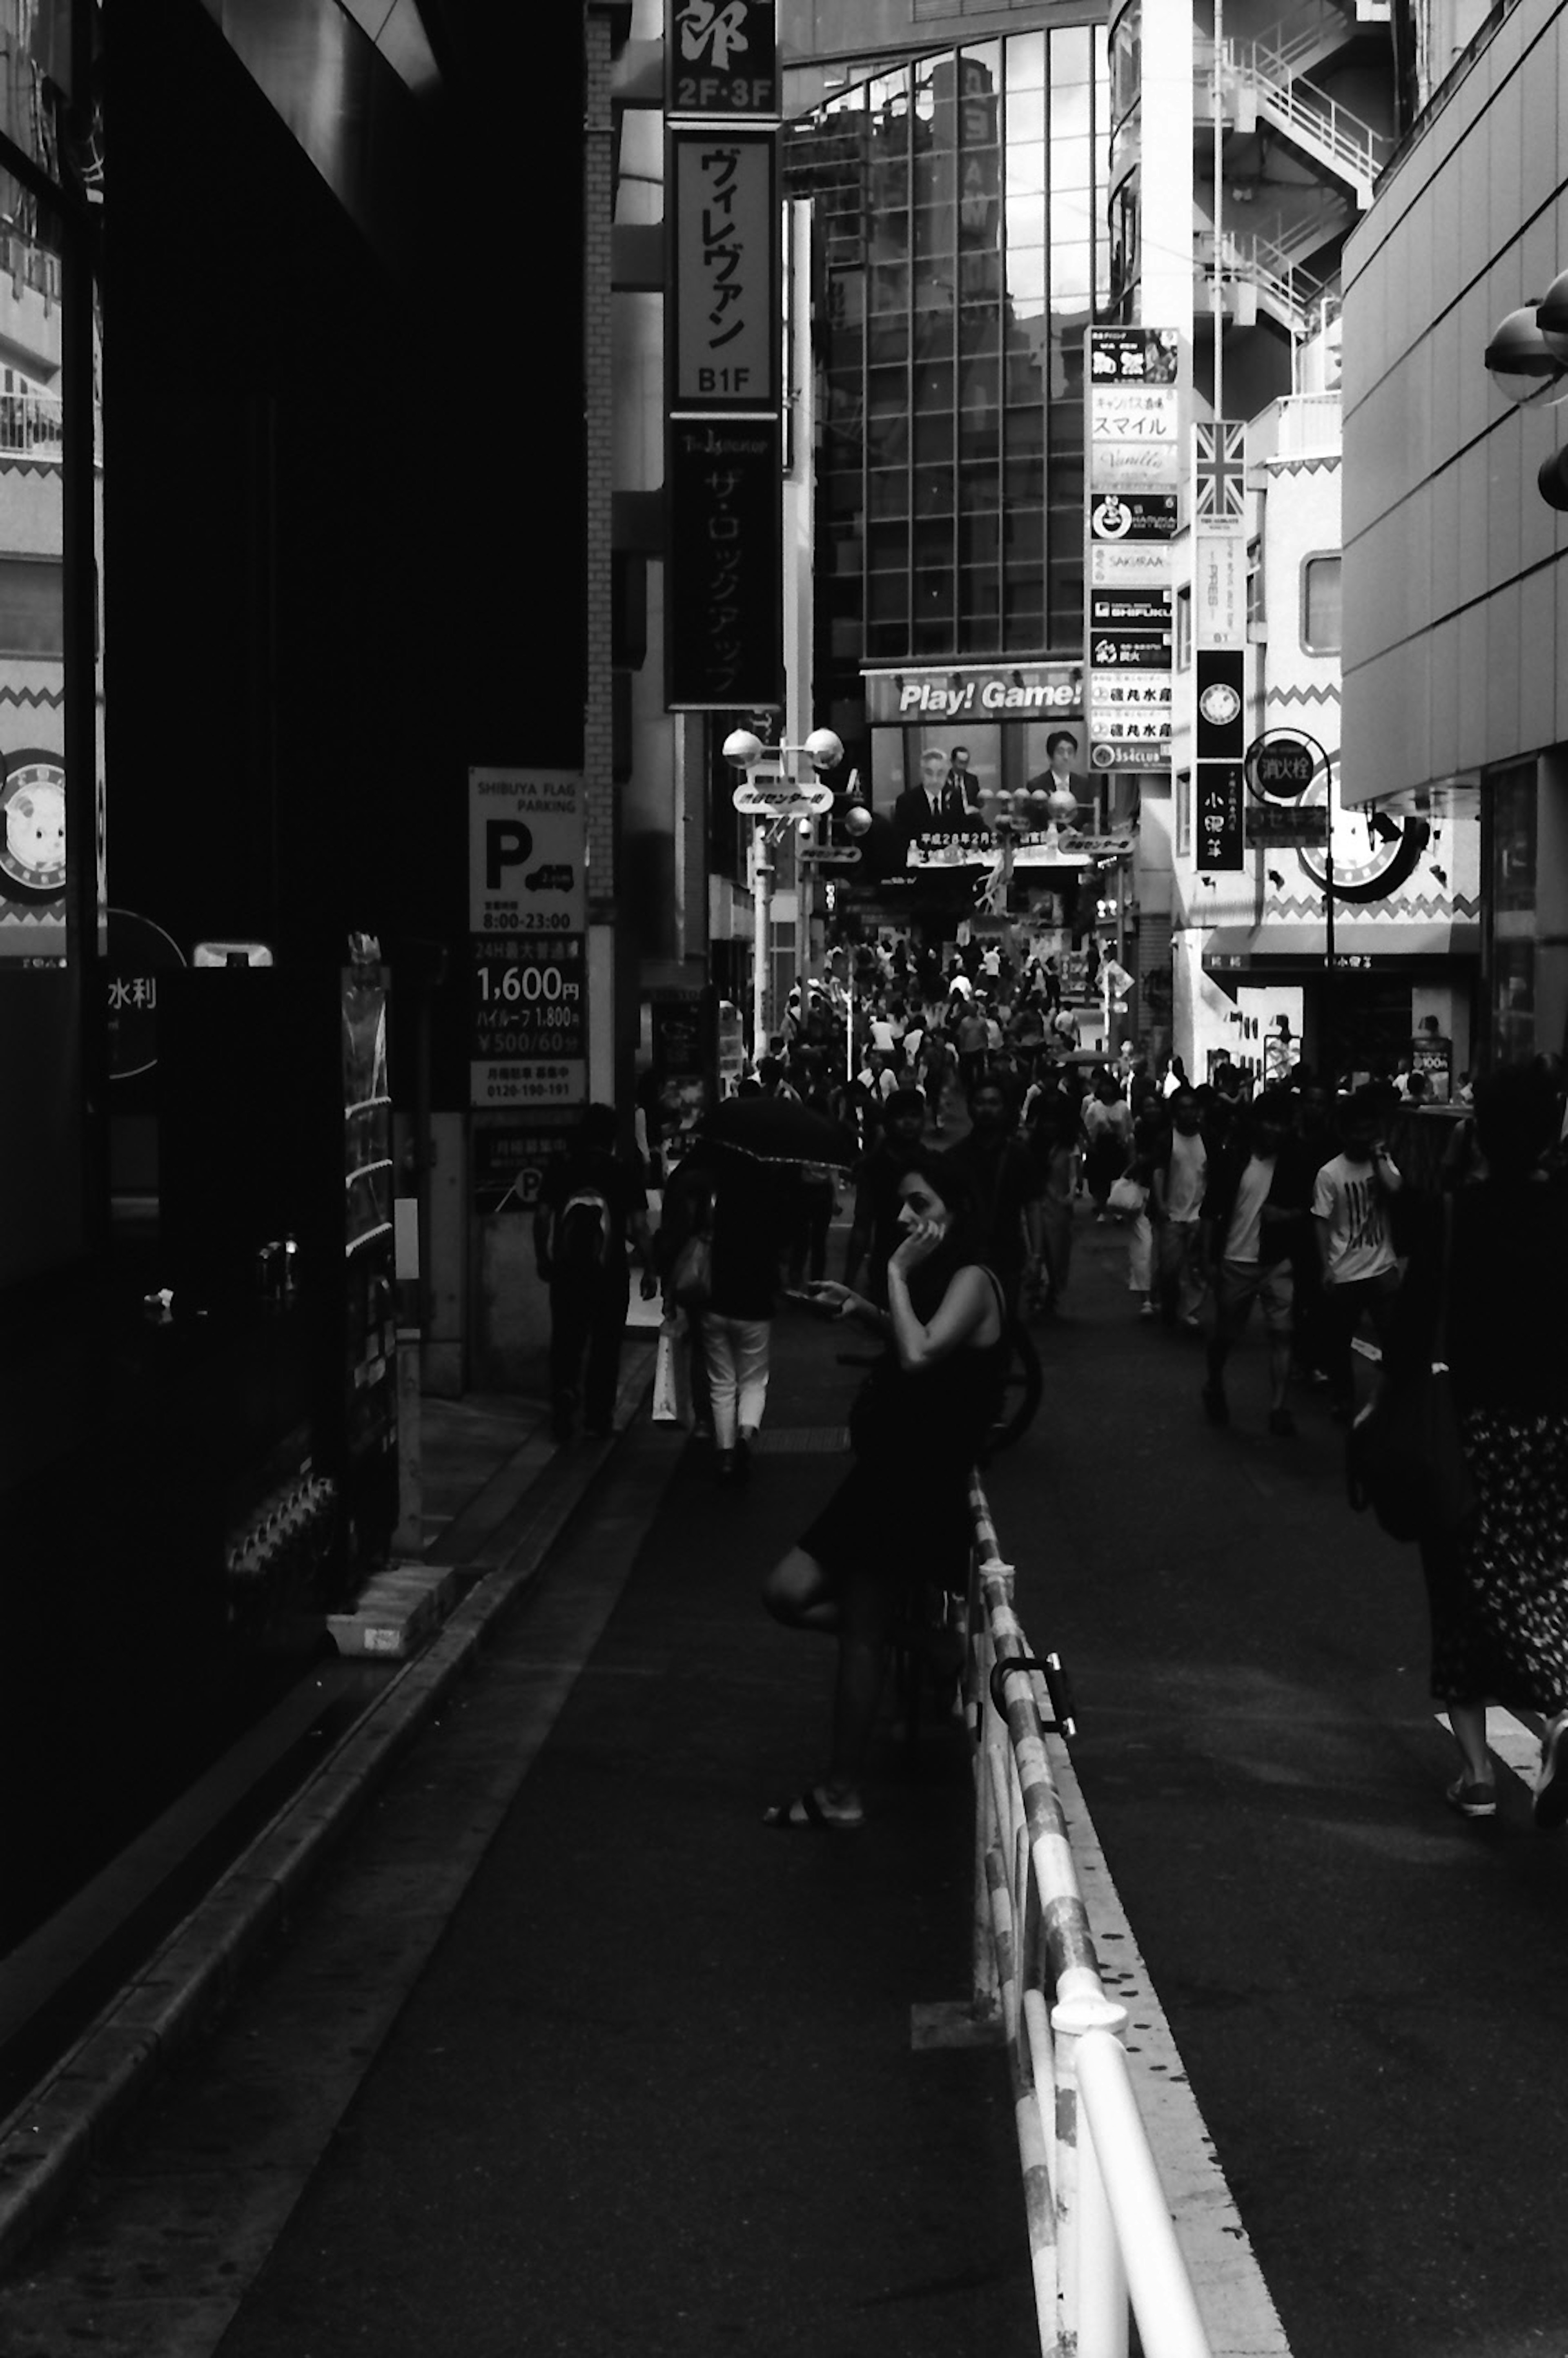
[1467,1447]
[1405,1457]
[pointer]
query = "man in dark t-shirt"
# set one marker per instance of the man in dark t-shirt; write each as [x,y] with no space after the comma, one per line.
[1008,1192]
[592,1203]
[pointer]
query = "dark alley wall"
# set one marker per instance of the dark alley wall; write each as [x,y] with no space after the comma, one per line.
[343,500]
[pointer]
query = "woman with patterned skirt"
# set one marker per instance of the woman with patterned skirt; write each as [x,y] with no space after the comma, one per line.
[1499,1596]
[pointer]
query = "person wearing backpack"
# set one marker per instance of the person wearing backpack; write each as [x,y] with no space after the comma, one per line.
[592,1203]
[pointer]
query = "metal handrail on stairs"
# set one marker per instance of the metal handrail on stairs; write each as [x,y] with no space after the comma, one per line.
[1358,151]
[1251,257]
[1297,41]
[1312,112]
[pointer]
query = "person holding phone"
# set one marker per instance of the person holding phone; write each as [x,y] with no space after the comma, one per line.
[901,1515]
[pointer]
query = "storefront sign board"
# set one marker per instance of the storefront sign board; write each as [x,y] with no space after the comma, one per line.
[724,628]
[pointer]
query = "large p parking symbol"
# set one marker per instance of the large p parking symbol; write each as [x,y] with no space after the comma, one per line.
[507,843]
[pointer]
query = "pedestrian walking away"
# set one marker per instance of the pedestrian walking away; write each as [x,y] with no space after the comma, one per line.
[1000,1175]
[1498,1593]
[592,1203]
[1350,1216]
[1178,1178]
[901,1515]
[740,1203]
[1255,1212]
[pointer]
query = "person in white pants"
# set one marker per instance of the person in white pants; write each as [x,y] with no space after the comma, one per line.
[747,1207]
[735,1352]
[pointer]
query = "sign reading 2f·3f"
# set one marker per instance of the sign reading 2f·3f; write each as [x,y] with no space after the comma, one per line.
[721,59]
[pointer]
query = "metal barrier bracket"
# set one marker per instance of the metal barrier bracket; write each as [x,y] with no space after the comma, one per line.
[955,2022]
[1062,1723]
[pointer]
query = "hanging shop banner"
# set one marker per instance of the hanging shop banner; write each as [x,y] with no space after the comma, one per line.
[724,631]
[724,265]
[721,59]
[1218,806]
[1134,517]
[1130,564]
[528,932]
[1220,477]
[1130,719]
[1133,461]
[1132,356]
[1219,684]
[1219,589]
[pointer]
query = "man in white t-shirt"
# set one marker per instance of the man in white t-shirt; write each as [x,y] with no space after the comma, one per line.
[1177,1185]
[1255,1210]
[1350,1218]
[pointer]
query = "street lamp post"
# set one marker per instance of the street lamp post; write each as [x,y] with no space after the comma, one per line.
[775,795]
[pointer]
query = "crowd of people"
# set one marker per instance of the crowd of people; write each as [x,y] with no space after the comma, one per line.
[1286,1198]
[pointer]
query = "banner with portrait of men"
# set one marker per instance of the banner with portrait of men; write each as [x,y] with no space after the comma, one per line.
[966,759]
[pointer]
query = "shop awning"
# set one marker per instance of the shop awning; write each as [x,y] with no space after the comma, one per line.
[1283,947]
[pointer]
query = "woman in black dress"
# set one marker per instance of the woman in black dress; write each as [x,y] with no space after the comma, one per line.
[901,1513]
[1500,1597]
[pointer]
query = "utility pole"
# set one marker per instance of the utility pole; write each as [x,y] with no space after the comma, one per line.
[762,946]
[1218,212]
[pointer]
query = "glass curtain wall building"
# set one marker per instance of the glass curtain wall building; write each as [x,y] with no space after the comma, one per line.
[962,250]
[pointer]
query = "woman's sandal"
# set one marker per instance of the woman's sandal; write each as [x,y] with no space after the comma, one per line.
[805,1814]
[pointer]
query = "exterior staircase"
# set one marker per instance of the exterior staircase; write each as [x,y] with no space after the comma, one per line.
[1266,80]
[1259,276]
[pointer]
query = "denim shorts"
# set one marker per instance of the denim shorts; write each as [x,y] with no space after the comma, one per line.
[1240,1283]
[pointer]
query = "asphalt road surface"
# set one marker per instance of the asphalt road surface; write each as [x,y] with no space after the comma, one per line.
[1368,1991]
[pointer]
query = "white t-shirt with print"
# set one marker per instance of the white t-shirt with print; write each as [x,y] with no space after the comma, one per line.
[1246,1219]
[1186,1179]
[1351,1198]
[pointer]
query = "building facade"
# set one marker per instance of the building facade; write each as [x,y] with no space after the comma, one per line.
[1456,667]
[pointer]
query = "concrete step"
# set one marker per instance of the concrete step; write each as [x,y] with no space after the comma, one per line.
[398,1611]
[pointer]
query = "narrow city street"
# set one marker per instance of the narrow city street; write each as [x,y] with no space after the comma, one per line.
[566,2053]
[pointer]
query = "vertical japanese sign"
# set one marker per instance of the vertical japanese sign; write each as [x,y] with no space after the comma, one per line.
[721,59]
[1133,447]
[724,344]
[1219,636]
[723,632]
[527,929]
[724,283]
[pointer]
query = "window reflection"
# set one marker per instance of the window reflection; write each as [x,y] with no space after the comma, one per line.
[959,250]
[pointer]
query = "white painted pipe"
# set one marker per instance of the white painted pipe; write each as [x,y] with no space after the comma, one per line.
[1157,2280]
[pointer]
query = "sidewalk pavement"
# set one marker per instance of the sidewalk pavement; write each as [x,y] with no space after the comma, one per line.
[654,2085]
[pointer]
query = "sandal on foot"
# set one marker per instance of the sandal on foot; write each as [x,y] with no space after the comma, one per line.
[805,1812]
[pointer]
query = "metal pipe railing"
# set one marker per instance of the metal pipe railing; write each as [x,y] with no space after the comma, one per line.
[1102,2244]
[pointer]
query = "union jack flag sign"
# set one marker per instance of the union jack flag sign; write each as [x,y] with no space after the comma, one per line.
[1220,476]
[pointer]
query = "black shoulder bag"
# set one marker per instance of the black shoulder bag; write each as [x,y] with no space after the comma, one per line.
[1404,1455]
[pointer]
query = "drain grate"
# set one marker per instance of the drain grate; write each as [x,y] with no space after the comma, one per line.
[800,1441]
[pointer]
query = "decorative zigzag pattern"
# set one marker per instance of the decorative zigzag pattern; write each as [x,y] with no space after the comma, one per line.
[1304,466]
[1429,905]
[29,466]
[1301,696]
[33,696]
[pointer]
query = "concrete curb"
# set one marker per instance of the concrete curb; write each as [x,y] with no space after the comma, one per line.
[54,2134]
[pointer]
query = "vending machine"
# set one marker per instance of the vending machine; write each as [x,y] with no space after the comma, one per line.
[277,1238]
